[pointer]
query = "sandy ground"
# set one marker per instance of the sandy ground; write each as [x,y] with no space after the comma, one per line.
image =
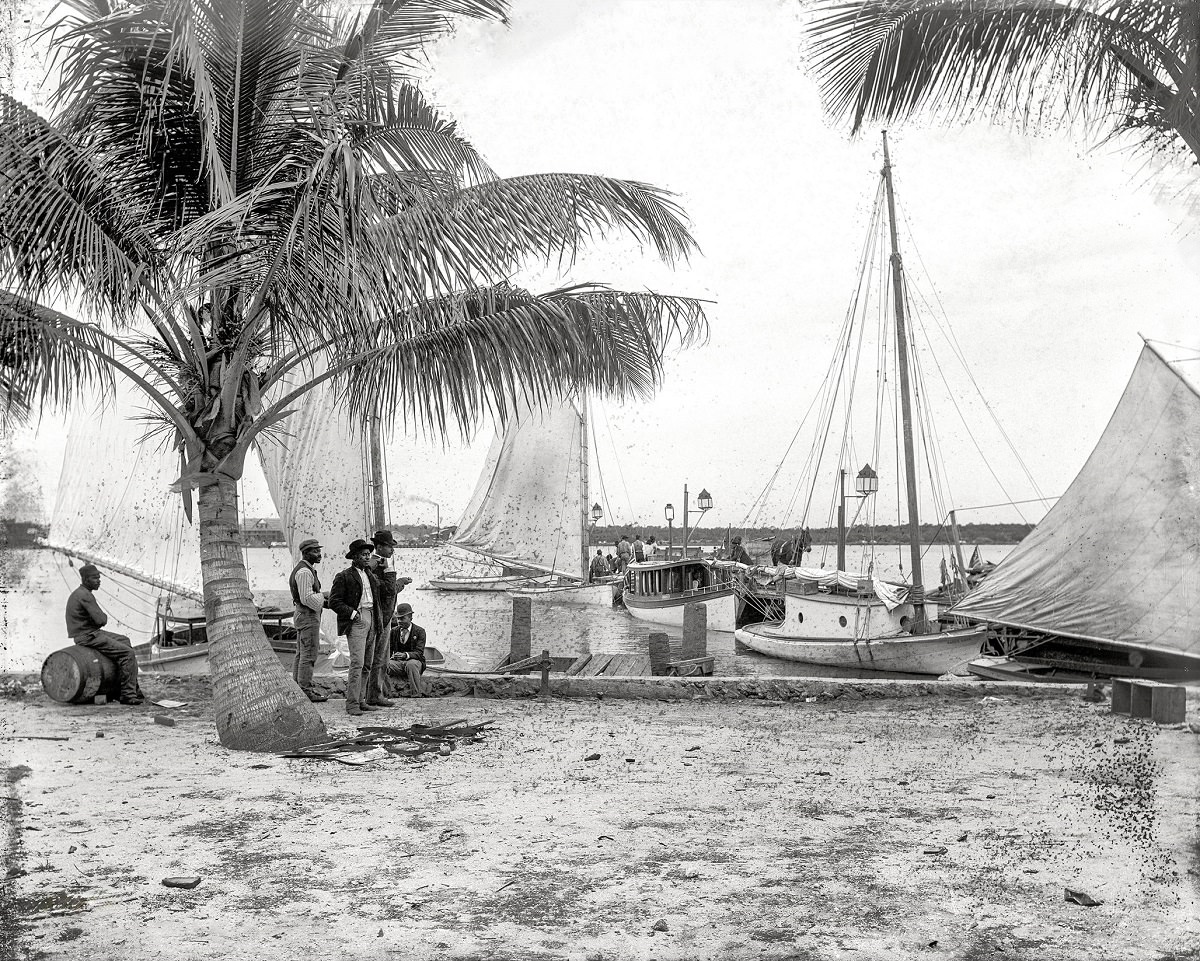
[915,828]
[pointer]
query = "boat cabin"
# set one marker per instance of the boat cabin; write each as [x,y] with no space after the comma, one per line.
[677,578]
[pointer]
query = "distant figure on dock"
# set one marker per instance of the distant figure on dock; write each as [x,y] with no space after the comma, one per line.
[309,602]
[639,549]
[738,553]
[85,622]
[624,553]
[407,646]
[651,547]
[599,567]
[354,597]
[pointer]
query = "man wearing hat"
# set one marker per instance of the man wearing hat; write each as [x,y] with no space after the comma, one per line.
[738,553]
[390,585]
[85,621]
[408,651]
[309,601]
[354,597]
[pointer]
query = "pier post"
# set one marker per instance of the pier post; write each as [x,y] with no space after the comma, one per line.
[521,635]
[544,689]
[660,654]
[695,630]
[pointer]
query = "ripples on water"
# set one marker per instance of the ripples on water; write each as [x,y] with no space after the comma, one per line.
[472,628]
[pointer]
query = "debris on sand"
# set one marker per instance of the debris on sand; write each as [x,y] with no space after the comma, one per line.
[1080,897]
[186,883]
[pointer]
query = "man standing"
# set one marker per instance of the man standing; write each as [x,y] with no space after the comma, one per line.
[599,568]
[639,549]
[624,553]
[353,598]
[390,585]
[408,651]
[85,621]
[309,602]
[738,553]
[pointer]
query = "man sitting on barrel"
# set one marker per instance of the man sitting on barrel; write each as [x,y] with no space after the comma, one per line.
[407,661]
[85,621]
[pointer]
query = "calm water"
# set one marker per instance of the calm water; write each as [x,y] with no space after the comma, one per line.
[473,629]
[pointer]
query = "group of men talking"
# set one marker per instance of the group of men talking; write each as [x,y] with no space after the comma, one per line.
[385,645]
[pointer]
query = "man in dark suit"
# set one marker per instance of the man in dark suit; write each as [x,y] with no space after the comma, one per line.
[408,651]
[354,597]
[85,626]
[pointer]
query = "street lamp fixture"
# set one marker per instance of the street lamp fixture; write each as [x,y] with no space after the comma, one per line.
[867,481]
[669,514]
[597,513]
[704,502]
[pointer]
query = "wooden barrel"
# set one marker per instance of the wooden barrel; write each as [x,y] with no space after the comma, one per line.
[77,674]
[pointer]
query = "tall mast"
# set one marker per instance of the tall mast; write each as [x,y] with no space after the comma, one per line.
[910,460]
[375,474]
[584,493]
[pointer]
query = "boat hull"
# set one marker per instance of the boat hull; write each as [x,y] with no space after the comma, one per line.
[667,609]
[507,582]
[594,595]
[948,652]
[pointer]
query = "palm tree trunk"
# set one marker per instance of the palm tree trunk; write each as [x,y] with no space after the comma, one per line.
[257,704]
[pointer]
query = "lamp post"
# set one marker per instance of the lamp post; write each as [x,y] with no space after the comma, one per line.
[866,483]
[704,502]
[597,513]
[669,514]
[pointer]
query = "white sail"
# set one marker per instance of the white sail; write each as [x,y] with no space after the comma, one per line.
[1117,560]
[114,507]
[527,506]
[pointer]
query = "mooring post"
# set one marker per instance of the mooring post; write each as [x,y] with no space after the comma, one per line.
[695,630]
[660,654]
[521,636]
[545,691]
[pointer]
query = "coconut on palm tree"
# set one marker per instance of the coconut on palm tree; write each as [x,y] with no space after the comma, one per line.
[1121,66]
[234,201]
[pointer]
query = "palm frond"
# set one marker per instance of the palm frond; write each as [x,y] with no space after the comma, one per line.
[46,356]
[879,60]
[450,359]
[66,225]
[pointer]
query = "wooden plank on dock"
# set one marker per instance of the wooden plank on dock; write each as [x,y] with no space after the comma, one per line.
[596,665]
[579,664]
[629,665]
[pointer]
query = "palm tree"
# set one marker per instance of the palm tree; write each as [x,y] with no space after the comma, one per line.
[237,200]
[1121,66]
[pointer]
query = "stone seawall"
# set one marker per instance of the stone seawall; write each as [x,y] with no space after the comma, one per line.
[793,689]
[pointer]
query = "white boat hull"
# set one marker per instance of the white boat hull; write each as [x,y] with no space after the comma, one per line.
[668,609]
[597,595]
[948,652]
[507,582]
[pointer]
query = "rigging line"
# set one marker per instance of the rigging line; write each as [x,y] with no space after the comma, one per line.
[1032,500]
[951,336]
[616,460]
[930,441]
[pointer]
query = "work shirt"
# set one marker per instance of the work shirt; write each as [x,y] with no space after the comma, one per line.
[308,589]
[83,613]
[368,595]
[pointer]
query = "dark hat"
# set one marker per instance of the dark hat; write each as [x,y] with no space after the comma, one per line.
[402,609]
[357,546]
[88,569]
[307,543]
[385,538]
[736,540]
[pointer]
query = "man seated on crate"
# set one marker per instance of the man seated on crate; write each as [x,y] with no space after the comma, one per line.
[407,657]
[85,622]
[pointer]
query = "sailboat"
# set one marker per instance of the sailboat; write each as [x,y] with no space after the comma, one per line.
[527,519]
[837,618]
[122,517]
[1108,584]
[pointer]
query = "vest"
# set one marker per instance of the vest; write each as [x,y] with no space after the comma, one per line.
[292,581]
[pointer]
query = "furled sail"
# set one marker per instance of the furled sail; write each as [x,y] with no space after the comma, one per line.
[1117,560]
[114,507]
[526,509]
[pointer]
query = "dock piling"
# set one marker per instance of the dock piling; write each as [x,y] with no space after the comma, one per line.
[695,631]
[521,635]
[660,654]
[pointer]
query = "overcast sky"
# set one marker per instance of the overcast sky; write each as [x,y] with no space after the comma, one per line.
[1049,255]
